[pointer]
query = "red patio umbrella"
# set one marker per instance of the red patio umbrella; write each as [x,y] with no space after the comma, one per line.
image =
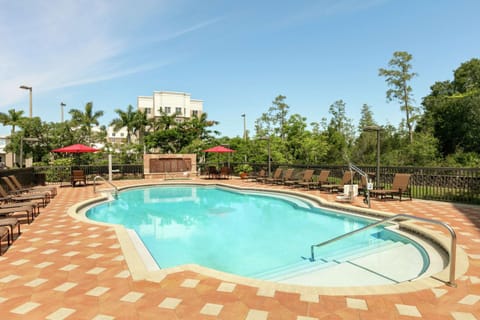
[219,149]
[76,148]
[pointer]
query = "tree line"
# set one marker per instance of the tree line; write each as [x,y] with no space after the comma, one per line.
[442,131]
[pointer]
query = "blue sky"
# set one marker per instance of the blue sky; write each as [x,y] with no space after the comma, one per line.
[237,56]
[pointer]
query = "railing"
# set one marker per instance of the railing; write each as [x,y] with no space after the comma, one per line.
[115,189]
[453,242]
[430,183]
[365,175]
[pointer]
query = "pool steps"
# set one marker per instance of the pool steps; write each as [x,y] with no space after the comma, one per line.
[355,256]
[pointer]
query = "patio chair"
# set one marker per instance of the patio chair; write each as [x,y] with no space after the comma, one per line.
[346,179]
[400,186]
[12,224]
[322,179]
[52,190]
[212,172]
[78,176]
[34,205]
[4,234]
[41,198]
[287,175]
[260,176]
[14,190]
[224,173]
[307,177]
[4,212]
[276,176]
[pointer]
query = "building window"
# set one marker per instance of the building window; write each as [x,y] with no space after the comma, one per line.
[121,134]
[148,110]
[194,113]
[178,111]
[168,110]
[113,134]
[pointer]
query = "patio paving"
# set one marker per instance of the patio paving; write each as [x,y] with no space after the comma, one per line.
[62,268]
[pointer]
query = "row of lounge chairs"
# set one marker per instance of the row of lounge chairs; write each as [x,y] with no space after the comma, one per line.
[400,185]
[19,203]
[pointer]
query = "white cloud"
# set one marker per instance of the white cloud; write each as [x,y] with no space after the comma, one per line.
[55,44]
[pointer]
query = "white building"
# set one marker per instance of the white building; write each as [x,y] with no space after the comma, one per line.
[119,136]
[170,103]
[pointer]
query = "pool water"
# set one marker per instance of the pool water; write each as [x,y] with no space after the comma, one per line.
[240,232]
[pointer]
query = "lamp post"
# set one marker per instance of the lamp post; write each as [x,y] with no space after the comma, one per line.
[62,105]
[377,129]
[245,131]
[269,157]
[244,127]
[30,105]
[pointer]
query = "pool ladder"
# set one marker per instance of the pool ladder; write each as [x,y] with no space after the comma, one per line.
[114,190]
[453,241]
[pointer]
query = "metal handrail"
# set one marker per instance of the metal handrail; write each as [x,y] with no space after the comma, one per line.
[364,174]
[102,178]
[453,243]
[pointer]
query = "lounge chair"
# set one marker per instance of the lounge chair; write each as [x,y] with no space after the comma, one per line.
[78,176]
[322,179]
[52,190]
[4,234]
[276,176]
[287,175]
[260,176]
[400,186]
[253,176]
[15,210]
[34,205]
[14,190]
[307,177]
[41,198]
[11,223]
[346,179]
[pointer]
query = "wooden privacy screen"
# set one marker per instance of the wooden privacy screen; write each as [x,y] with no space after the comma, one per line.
[170,165]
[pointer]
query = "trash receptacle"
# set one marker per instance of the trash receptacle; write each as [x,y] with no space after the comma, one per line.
[40,178]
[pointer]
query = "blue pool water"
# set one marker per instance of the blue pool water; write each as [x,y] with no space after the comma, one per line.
[244,233]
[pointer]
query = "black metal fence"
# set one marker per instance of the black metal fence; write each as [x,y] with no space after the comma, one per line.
[431,183]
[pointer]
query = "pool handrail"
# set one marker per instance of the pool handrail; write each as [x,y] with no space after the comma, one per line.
[453,242]
[353,167]
[115,188]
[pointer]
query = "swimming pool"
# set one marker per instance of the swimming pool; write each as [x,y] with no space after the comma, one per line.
[260,235]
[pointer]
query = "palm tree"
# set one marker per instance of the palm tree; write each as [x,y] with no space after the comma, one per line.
[86,120]
[140,125]
[164,122]
[126,120]
[12,118]
[200,126]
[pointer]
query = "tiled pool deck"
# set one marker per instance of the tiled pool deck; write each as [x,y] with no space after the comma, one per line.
[62,268]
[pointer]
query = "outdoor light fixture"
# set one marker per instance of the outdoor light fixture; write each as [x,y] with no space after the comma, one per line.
[377,129]
[244,127]
[62,105]
[29,89]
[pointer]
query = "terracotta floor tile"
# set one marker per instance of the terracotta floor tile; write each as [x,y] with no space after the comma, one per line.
[62,250]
